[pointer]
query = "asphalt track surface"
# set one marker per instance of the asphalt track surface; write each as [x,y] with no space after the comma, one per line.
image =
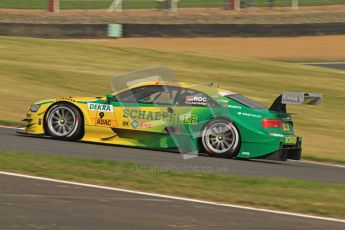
[9,140]
[34,204]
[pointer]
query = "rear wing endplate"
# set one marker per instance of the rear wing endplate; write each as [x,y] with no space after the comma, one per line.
[279,104]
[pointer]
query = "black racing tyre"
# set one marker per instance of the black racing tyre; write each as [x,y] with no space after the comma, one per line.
[63,121]
[220,138]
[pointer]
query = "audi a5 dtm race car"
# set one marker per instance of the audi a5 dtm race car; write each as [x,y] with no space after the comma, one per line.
[163,114]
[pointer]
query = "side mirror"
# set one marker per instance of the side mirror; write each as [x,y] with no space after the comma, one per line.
[110,97]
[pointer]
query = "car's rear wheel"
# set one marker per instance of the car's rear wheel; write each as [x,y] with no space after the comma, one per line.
[64,121]
[220,138]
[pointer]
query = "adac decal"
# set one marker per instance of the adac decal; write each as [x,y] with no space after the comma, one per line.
[161,116]
[194,100]
[105,122]
[100,107]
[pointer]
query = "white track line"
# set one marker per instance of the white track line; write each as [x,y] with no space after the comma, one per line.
[7,127]
[10,127]
[320,163]
[176,197]
[322,63]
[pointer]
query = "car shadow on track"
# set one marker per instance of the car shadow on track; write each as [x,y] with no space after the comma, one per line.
[160,151]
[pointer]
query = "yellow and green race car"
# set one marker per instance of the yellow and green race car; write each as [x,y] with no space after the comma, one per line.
[162,114]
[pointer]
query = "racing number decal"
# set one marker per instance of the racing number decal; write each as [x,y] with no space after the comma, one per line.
[102,114]
[103,121]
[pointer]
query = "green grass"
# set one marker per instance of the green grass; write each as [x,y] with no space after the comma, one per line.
[132,4]
[11,123]
[288,3]
[317,198]
[35,69]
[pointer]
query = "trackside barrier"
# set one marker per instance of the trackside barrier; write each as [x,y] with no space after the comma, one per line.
[168,30]
[174,5]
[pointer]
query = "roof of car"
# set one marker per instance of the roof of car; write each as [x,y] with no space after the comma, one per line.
[203,87]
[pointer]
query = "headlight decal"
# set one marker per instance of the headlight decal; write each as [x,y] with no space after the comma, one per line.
[34,107]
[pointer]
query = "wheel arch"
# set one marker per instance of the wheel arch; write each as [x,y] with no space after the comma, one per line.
[199,138]
[82,116]
[216,118]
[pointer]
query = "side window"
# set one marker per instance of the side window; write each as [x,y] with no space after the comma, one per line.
[189,97]
[149,95]
[166,97]
[127,96]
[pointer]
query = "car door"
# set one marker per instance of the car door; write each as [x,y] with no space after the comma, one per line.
[199,106]
[191,109]
[144,108]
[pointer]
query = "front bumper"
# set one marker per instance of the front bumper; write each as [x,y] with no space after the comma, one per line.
[293,152]
[33,124]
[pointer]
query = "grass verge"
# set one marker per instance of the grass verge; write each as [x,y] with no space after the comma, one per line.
[11,123]
[281,194]
[140,4]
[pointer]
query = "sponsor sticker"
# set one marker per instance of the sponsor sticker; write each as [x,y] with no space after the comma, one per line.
[160,116]
[234,107]
[145,125]
[105,122]
[66,99]
[249,114]
[292,98]
[100,107]
[290,140]
[134,124]
[222,101]
[194,100]
[286,127]
[276,135]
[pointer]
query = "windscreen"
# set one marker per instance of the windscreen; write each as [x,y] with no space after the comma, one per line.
[129,79]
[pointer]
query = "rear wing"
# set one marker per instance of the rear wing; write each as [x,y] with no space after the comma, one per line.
[279,104]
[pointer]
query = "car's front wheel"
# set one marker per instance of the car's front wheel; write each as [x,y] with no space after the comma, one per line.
[220,138]
[64,121]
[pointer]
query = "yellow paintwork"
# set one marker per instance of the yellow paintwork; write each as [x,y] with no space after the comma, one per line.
[99,124]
